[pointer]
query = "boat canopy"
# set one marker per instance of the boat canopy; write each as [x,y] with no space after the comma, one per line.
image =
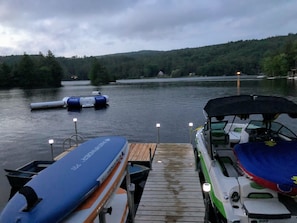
[245,105]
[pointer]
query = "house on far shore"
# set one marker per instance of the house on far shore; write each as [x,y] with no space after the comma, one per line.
[161,74]
[292,74]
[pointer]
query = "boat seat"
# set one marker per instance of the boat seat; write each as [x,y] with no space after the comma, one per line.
[232,172]
[227,164]
[219,137]
[223,152]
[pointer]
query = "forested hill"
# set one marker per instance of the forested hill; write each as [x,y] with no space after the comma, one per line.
[223,59]
[272,56]
[249,57]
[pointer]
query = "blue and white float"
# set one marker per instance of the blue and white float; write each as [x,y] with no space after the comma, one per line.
[74,102]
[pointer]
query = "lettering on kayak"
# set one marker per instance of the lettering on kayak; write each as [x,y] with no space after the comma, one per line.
[90,154]
[75,167]
[93,151]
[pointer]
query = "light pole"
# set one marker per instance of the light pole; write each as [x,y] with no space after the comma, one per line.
[238,73]
[206,189]
[51,142]
[75,127]
[190,131]
[158,132]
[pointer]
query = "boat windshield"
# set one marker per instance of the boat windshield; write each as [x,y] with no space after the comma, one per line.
[273,126]
[218,125]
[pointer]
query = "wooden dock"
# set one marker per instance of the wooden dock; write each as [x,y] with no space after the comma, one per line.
[172,193]
[141,152]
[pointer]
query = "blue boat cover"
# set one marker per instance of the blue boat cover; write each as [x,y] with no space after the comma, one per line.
[272,164]
[65,184]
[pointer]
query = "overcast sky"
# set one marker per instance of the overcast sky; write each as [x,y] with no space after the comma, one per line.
[99,27]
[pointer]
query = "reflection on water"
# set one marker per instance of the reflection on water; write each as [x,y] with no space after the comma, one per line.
[133,111]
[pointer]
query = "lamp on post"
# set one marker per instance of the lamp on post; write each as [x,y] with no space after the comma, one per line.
[51,142]
[190,131]
[206,187]
[75,127]
[158,132]
[238,73]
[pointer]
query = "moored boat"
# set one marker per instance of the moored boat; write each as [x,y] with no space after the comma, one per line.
[19,177]
[137,172]
[248,158]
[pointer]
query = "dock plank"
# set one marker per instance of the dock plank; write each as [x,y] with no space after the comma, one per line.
[140,152]
[172,192]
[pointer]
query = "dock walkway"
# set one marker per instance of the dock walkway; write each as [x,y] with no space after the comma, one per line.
[172,192]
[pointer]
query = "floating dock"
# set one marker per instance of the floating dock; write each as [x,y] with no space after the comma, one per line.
[172,192]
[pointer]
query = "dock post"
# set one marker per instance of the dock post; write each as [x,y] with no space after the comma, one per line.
[130,195]
[51,142]
[158,132]
[191,131]
[206,190]
[75,127]
[151,158]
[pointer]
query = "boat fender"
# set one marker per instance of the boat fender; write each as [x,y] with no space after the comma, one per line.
[31,197]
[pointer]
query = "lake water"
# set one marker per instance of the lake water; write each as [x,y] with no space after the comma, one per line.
[134,109]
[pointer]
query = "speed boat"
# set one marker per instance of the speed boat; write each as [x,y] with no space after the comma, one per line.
[247,158]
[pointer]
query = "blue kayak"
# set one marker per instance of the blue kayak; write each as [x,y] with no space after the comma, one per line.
[59,189]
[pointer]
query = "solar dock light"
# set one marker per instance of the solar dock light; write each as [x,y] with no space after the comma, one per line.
[51,142]
[206,187]
[75,127]
[190,131]
[158,132]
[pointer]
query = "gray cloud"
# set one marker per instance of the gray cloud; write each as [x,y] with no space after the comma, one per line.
[98,27]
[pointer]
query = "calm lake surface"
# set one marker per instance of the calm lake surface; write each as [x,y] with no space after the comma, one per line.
[134,109]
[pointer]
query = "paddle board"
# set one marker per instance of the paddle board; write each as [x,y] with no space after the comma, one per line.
[59,189]
[88,211]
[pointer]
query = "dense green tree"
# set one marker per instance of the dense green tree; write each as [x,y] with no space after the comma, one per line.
[98,74]
[291,53]
[6,79]
[26,72]
[32,72]
[55,70]
[282,60]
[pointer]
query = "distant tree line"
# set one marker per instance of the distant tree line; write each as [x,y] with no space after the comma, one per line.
[32,72]
[271,56]
[249,57]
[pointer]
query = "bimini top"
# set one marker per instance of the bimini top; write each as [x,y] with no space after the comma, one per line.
[250,104]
